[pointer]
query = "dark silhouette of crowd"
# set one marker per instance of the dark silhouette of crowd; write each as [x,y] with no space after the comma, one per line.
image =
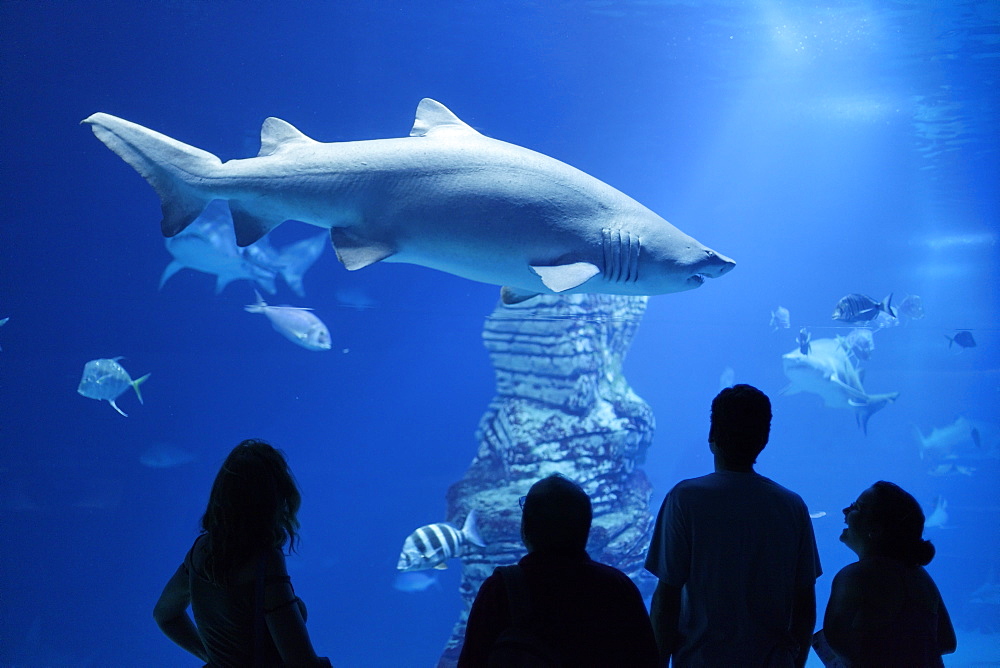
[733,552]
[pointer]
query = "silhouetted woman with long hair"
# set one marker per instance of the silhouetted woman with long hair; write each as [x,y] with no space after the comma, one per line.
[246,613]
[884,609]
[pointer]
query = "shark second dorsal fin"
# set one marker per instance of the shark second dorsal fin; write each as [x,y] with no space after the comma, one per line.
[433,117]
[276,133]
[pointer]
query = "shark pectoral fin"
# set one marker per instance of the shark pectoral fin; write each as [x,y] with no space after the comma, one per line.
[562,277]
[511,296]
[355,252]
[250,227]
[171,269]
[115,406]
[789,389]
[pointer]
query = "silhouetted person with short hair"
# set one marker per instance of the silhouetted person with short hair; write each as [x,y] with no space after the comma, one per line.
[734,553]
[234,576]
[582,612]
[885,609]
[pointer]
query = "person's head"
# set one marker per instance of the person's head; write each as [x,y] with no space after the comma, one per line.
[740,424]
[556,516]
[887,521]
[253,505]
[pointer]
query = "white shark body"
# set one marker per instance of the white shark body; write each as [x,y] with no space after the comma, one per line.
[827,370]
[445,197]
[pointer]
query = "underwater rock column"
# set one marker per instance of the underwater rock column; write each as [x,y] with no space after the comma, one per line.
[562,406]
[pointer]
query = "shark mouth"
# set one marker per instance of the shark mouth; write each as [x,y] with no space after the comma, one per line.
[697,279]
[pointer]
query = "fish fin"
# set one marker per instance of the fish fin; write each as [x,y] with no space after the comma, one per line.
[115,406]
[171,269]
[136,383]
[171,167]
[250,227]
[950,341]
[357,253]
[441,566]
[471,531]
[511,296]
[221,282]
[266,284]
[276,134]
[297,258]
[920,439]
[433,117]
[788,389]
[258,307]
[886,306]
[562,277]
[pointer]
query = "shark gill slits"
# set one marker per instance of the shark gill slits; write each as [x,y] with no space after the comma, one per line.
[621,256]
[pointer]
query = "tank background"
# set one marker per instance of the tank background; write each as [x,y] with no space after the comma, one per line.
[823,149]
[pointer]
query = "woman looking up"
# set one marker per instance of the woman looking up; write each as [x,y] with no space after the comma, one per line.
[884,609]
[234,577]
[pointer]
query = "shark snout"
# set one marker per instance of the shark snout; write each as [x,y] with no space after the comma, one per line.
[710,265]
[716,264]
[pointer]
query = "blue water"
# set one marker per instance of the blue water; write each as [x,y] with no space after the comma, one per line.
[851,147]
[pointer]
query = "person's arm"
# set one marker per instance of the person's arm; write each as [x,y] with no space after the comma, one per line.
[285,617]
[665,616]
[803,621]
[490,614]
[171,615]
[947,643]
[842,610]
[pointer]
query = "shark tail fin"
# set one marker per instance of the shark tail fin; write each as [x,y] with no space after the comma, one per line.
[873,404]
[296,259]
[136,383]
[170,166]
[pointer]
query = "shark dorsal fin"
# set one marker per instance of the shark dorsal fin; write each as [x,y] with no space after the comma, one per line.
[276,133]
[433,117]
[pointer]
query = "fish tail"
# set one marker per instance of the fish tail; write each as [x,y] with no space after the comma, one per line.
[136,383]
[171,167]
[471,531]
[950,341]
[887,306]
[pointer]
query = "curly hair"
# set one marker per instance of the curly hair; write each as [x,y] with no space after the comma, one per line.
[253,506]
[897,522]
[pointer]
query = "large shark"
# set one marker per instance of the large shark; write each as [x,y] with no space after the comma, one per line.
[445,197]
[827,370]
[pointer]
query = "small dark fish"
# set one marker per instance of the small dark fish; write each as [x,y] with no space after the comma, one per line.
[803,340]
[862,308]
[963,338]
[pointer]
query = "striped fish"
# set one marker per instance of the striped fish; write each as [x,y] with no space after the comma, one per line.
[431,545]
[862,308]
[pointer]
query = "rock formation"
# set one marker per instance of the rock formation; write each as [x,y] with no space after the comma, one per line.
[562,405]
